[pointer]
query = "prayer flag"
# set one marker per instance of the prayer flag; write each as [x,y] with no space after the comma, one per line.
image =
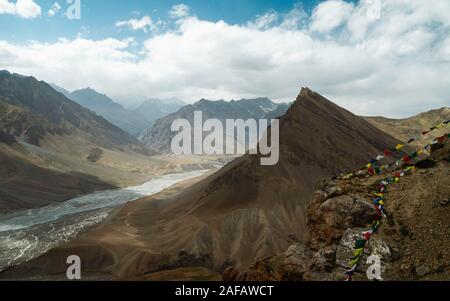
[360,243]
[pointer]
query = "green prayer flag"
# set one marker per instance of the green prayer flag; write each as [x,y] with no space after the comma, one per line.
[354,261]
[360,243]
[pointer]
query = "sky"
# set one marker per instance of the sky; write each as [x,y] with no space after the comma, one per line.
[373,57]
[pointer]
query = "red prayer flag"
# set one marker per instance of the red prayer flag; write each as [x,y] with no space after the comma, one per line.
[387,153]
[441,139]
[367,235]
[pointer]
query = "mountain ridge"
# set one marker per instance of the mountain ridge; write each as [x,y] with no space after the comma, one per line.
[159,136]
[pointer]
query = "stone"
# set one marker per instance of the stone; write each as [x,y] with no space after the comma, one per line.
[298,257]
[375,247]
[422,271]
[345,212]
[323,261]
[345,248]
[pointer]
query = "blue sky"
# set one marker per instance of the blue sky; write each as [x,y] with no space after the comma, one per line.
[373,57]
[99,16]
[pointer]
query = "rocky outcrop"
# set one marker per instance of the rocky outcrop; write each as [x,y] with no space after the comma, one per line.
[411,244]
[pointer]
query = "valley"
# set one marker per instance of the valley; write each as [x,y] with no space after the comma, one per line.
[74,183]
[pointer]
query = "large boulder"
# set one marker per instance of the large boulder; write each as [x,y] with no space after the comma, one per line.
[375,247]
[332,217]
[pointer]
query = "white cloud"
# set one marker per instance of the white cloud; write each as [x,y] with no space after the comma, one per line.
[330,14]
[179,11]
[26,9]
[145,24]
[265,21]
[396,66]
[54,9]
[7,7]
[292,20]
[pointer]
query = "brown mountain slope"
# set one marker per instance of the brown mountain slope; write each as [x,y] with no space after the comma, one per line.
[242,212]
[404,129]
[66,117]
[25,185]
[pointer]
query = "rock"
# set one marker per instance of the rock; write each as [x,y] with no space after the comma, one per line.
[422,271]
[345,248]
[426,163]
[333,192]
[345,212]
[378,248]
[329,220]
[298,259]
[375,247]
[323,260]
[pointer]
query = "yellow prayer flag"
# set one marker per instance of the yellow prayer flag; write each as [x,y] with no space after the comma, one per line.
[399,146]
[358,252]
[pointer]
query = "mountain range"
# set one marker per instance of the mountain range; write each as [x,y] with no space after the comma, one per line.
[242,212]
[132,121]
[159,136]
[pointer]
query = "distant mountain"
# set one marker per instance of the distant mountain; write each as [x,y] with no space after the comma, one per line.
[49,112]
[404,129]
[132,122]
[159,137]
[279,111]
[154,109]
[61,90]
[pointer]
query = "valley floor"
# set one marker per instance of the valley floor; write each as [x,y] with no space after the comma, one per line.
[113,249]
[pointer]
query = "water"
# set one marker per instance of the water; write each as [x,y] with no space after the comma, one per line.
[27,234]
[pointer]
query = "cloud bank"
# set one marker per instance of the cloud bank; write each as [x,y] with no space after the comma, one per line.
[390,60]
[26,9]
